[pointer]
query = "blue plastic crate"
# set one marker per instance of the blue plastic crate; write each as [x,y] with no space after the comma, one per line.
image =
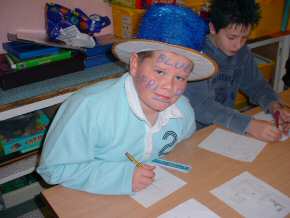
[24,139]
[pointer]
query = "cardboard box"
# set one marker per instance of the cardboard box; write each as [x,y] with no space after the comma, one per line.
[271,21]
[23,133]
[201,7]
[267,68]
[126,21]
[192,4]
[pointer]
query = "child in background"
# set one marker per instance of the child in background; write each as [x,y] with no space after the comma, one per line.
[143,112]
[230,23]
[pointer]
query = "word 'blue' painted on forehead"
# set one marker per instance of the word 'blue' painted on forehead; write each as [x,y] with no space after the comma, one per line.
[186,67]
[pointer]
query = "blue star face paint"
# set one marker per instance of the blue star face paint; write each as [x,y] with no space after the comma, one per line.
[151,84]
[179,92]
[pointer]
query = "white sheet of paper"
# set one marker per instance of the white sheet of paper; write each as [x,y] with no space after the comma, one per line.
[189,209]
[165,183]
[268,117]
[252,197]
[232,145]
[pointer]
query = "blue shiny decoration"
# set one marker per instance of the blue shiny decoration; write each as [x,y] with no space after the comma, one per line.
[60,17]
[178,26]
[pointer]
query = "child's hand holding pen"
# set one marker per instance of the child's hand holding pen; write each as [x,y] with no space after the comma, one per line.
[143,175]
[281,114]
[264,130]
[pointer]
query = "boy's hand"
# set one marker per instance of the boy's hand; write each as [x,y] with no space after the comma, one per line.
[143,177]
[284,116]
[264,130]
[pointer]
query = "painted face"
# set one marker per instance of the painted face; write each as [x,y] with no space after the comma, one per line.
[160,79]
[231,38]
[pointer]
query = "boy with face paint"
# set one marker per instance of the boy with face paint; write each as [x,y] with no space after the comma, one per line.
[143,112]
[230,24]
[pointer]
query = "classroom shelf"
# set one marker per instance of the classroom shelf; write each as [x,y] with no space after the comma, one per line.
[39,95]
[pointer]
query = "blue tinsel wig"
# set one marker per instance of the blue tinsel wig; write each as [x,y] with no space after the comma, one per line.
[172,28]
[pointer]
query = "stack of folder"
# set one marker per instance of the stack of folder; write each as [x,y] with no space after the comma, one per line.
[27,62]
[27,55]
[101,53]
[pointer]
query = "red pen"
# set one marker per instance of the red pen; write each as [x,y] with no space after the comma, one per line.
[276,117]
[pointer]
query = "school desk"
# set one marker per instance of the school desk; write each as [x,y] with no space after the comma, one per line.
[209,170]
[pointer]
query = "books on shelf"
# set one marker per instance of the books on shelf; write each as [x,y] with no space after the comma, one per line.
[100,59]
[38,38]
[4,65]
[101,53]
[104,45]
[10,78]
[27,61]
[28,50]
[98,49]
[17,64]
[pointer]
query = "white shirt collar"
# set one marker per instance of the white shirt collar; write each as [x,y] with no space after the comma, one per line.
[134,102]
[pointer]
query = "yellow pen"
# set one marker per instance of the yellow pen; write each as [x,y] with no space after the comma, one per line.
[133,160]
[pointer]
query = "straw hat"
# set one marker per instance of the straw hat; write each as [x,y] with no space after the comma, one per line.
[172,28]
